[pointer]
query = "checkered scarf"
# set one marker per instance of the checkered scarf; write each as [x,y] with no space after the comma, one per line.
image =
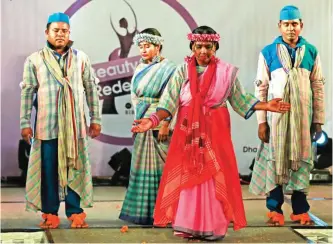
[67,135]
[287,140]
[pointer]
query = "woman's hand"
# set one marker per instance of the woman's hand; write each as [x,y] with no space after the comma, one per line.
[142,125]
[163,132]
[276,105]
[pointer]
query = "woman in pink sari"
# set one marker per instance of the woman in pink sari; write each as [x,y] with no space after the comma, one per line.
[200,192]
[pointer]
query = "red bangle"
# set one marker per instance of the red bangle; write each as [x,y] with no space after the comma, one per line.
[154,119]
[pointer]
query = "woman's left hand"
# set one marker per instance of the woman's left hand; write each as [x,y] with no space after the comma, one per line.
[163,133]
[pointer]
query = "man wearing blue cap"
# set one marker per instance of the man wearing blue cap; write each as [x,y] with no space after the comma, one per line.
[289,68]
[59,166]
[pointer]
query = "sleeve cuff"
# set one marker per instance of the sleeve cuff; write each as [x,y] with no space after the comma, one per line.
[25,124]
[250,112]
[96,121]
[318,121]
[260,121]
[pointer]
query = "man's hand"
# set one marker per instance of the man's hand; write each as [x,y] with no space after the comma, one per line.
[263,132]
[94,130]
[26,134]
[316,131]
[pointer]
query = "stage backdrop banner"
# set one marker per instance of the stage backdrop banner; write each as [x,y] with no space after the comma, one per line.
[104,30]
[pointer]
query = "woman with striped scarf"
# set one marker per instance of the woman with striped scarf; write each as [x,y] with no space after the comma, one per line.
[150,148]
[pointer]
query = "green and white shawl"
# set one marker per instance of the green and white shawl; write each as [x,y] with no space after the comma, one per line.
[287,146]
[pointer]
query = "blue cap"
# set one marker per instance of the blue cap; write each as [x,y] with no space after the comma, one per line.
[289,13]
[58,17]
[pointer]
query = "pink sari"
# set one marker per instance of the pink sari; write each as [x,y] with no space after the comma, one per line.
[203,204]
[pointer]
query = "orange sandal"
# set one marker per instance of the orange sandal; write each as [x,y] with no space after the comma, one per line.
[303,219]
[78,220]
[51,221]
[275,219]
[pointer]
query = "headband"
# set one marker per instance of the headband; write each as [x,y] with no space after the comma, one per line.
[145,37]
[203,37]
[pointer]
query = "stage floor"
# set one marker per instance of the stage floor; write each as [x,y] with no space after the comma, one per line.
[18,225]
